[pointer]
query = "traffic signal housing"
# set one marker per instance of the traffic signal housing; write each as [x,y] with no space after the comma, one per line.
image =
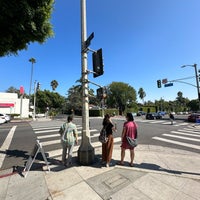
[97,63]
[159,83]
[100,93]
[38,86]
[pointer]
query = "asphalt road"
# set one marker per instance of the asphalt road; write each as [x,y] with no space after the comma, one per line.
[150,132]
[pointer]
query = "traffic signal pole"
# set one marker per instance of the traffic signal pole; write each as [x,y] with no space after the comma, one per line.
[86,151]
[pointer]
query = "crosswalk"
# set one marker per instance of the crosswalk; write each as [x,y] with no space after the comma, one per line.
[164,122]
[187,136]
[49,136]
[182,137]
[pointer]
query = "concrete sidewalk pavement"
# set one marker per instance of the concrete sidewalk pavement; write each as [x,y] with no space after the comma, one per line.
[159,173]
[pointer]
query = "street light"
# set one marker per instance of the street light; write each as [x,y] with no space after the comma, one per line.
[197,79]
[32,60]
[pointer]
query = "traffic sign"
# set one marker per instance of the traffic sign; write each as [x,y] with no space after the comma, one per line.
[164,81]
[87,42]
[169,84]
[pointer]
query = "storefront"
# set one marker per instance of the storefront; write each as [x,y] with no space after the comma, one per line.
[11,104]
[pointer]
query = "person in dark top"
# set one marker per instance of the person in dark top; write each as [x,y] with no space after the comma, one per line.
[107,148]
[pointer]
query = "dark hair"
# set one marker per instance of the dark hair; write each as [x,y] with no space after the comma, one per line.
[129,117]
[106,119]
[69,118]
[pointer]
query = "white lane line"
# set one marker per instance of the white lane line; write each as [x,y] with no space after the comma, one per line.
[58,152]
[190,131]
[6,144]
[178,143]
[181,124]
[183,133]
[56,130]
[180,137]
[47,136]
[156,122]
[47,131]
[45,128]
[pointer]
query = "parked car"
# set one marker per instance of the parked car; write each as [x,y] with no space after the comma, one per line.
[140,113]
[153,116]
[193,117]
[2,120]
[5,117]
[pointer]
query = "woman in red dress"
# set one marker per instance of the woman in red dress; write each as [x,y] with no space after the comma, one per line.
[129,129]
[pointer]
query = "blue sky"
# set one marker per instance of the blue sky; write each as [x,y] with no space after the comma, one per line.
[142,41]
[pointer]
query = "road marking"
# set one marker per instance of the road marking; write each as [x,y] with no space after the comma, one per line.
[58,152]
[180,137]
[178,143]
[156,122]
[185,133]
[6,145]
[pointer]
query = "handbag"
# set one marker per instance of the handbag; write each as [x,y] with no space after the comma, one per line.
[102,137]
[132,142]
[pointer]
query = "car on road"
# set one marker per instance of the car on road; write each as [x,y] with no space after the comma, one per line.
[4,117]
[153,116]
[2,121]
[140,113]
[193,117]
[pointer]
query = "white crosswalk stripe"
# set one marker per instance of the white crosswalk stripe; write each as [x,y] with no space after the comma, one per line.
[50,136]
[164,122]
[188,135]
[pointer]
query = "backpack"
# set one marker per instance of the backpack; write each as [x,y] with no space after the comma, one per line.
[103,137]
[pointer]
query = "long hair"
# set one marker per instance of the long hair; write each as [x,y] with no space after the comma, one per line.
[129,117]
[106,119]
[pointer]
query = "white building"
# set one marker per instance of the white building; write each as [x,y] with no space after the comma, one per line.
[11,104]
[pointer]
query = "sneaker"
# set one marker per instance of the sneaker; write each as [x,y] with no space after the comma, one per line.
[107,165]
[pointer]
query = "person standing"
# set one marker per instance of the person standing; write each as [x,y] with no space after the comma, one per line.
[69,137]
[107,148]
[171,117]
[129,129]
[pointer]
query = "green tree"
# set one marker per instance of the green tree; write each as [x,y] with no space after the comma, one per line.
[120,95]
[53,100]
[142,94]
[54,85]
[23,22]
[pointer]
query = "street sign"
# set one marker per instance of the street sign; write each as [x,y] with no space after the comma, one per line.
[169,84]
[87,42]
[164,81]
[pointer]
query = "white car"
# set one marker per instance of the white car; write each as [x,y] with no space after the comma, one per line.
[2,121]
[5,118]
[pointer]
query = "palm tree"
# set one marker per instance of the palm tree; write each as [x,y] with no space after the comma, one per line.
[142,94]
[54,84]
[32,60]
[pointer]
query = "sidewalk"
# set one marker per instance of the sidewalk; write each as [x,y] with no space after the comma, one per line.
[159,173]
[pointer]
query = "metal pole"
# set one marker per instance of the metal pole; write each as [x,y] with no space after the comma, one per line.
[86,151]
[197,81]
[34,100]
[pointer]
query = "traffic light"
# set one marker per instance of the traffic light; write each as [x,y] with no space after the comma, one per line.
[199,74]
[159,83]
[38,86]
[100,93]
[97,63]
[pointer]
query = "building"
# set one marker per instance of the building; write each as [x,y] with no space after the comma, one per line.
[11,104]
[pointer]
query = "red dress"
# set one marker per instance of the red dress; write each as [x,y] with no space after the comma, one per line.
[131,129]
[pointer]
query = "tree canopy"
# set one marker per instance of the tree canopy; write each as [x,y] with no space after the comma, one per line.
[54,84]
[120,95]
[22,22]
